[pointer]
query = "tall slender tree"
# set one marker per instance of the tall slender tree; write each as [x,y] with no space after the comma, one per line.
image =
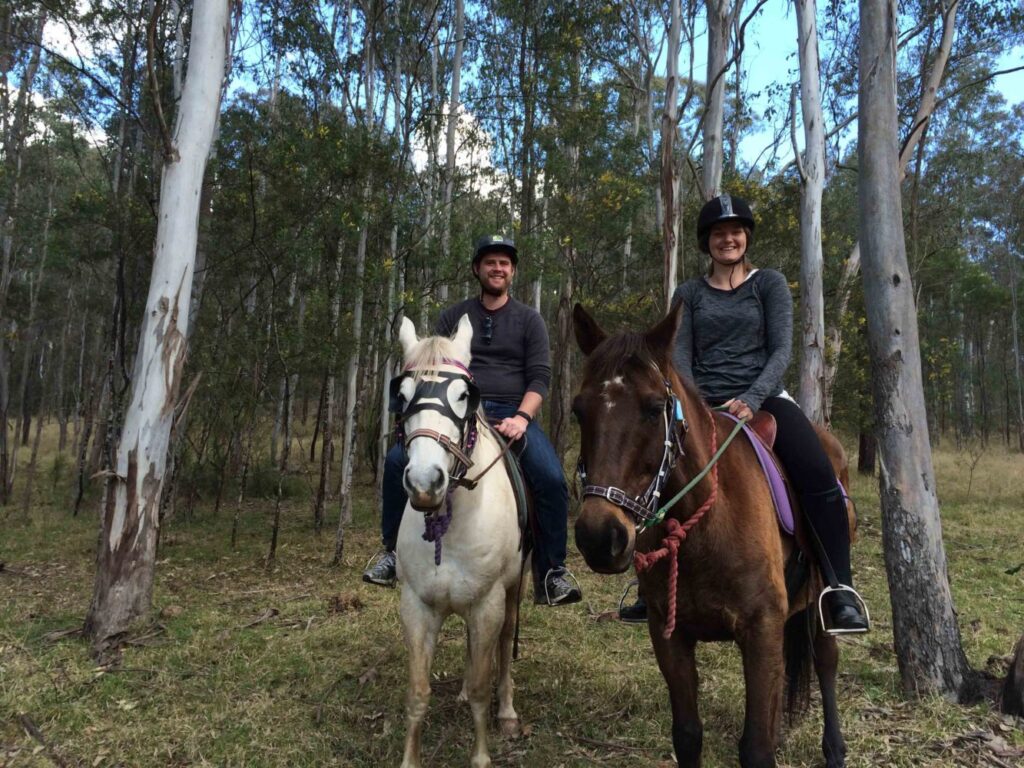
[130,516]
[928,646]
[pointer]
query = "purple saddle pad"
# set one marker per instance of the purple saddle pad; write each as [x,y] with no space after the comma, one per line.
[776,482]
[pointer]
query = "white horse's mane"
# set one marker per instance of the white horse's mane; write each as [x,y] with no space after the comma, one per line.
[431,353]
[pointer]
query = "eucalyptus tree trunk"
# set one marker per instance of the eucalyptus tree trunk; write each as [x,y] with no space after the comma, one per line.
[35,288]
[30,471]
[720,15]
[283,412]
[812,184]
[1015,330]
[60,404]
[927,637]
[351,395]
[429,208]
[922,117]
[451,138]
[130,515]
[669,171]
[15,130]
[560,393]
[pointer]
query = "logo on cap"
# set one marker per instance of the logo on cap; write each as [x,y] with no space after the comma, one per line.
[726,202]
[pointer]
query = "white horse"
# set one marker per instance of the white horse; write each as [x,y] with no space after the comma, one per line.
[473,566]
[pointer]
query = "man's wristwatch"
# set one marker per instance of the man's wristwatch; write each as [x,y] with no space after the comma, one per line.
[525,415]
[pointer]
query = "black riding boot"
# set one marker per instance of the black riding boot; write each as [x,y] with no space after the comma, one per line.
[635,613]
[829,531]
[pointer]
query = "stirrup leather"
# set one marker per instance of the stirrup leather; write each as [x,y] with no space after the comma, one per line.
[835,630]
[622,600]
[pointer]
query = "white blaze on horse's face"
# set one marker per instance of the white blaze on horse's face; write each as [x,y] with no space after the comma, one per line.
[609,389]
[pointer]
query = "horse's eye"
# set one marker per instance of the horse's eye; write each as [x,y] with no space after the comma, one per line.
[653,410]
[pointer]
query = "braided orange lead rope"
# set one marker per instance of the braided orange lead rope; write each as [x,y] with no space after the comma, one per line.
[676,533]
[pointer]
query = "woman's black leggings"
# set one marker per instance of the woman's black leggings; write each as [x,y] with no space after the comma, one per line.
[814,481]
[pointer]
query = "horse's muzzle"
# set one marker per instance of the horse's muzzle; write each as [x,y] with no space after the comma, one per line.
[605,536]
[425,486]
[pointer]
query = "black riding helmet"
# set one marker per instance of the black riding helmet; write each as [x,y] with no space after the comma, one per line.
[500,243]
[722,208]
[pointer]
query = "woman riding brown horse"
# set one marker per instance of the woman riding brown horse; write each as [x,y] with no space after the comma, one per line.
[716,563]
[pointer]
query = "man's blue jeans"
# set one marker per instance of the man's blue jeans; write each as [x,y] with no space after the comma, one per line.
[543,473]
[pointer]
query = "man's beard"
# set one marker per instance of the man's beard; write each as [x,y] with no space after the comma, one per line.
[485,288]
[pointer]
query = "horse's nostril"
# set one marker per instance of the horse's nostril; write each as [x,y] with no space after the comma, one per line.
[603,543]
[438,478]
[618,541]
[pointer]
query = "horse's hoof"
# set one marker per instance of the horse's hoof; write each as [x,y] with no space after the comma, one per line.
[510,727]
[463,695]
[481,762]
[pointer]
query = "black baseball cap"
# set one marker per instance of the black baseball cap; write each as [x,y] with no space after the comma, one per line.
[499,243]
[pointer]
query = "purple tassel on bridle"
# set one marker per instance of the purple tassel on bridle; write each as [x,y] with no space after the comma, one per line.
[437,526]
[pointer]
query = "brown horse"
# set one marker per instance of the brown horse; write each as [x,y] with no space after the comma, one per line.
[637,418]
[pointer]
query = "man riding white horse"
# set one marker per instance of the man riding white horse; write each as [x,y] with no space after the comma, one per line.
[511,366]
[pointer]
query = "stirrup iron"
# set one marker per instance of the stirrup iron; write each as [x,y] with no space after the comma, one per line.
[834,631]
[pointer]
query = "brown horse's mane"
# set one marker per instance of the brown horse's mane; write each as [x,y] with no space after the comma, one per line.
[630,350]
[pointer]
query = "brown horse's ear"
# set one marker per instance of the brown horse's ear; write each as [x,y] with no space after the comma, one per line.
[661,337]
[588,332]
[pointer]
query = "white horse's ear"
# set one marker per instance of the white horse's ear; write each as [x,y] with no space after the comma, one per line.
[463,338]
[407,335]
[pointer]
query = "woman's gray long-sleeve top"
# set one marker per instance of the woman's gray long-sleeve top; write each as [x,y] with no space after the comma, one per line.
[735,344]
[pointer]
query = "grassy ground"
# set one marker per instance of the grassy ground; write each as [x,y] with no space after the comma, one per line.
[306,666]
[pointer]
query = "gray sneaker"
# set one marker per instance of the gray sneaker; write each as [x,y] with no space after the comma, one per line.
[560,588]
[381,569]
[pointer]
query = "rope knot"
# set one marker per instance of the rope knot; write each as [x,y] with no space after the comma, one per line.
[675,535]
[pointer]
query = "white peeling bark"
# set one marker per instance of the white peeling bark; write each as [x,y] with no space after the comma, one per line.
[925,108]
[927,637]
[669,171]
[451,138]
[125,562]
[720,14]
[812,302]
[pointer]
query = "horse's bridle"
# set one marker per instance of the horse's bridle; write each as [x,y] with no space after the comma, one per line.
[644,508]
[431,395]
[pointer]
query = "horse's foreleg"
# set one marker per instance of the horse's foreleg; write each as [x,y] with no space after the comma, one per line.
[507,717]
[826,662]
[484,623]
[679,668]
[420,625]
[763,675]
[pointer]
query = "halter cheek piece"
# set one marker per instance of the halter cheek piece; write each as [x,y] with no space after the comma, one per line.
[432,395]
[644,508]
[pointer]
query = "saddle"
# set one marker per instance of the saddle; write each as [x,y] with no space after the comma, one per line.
[761,431]
[524,500]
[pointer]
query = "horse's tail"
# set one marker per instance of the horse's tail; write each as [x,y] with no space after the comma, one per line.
[798,652]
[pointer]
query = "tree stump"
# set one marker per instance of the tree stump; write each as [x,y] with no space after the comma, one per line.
[1012,696]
